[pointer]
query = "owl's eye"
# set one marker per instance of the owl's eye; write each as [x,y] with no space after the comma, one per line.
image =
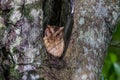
[59,30]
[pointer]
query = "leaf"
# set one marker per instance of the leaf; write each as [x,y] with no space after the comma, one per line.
[116,35]
[117,68]
[113,57]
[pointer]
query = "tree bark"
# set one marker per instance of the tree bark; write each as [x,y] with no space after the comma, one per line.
[22,22]
[95,21]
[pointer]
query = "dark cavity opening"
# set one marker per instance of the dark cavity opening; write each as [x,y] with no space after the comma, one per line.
[59,13]
[56,12]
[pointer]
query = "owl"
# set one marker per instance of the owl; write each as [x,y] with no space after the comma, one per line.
[57,13]
[53,40]
[56,38]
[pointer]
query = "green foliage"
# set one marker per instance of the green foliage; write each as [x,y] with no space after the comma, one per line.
[111,68]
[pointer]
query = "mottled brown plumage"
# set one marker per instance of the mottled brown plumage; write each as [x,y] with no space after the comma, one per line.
[53,40]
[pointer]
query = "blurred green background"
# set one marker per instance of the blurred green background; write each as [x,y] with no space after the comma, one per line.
[111,67]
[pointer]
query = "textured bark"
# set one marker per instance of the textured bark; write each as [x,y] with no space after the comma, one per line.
[22,30]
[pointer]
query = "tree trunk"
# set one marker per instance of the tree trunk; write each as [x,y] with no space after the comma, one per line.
[22,25]
[95,21]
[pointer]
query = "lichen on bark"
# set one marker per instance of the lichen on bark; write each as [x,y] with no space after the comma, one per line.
[94,35]
[94,22]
